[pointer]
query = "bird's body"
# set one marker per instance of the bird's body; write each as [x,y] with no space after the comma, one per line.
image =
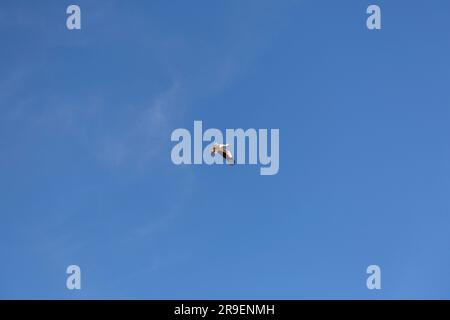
[222,150]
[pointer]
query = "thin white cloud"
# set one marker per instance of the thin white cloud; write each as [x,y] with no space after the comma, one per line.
[140,139]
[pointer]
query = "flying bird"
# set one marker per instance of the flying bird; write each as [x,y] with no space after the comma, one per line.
[221,149]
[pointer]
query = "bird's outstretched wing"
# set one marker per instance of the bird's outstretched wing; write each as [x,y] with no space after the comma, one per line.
[226,154]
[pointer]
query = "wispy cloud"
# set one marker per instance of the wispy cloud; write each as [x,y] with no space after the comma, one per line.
[141,137]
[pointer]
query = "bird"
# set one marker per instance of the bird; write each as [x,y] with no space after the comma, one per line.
[221,149]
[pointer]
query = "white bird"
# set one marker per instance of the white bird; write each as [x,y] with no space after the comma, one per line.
[221,149]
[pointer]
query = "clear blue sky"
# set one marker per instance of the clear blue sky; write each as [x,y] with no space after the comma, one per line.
[86,176]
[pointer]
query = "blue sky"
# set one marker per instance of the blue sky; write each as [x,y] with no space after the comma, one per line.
[86,176]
